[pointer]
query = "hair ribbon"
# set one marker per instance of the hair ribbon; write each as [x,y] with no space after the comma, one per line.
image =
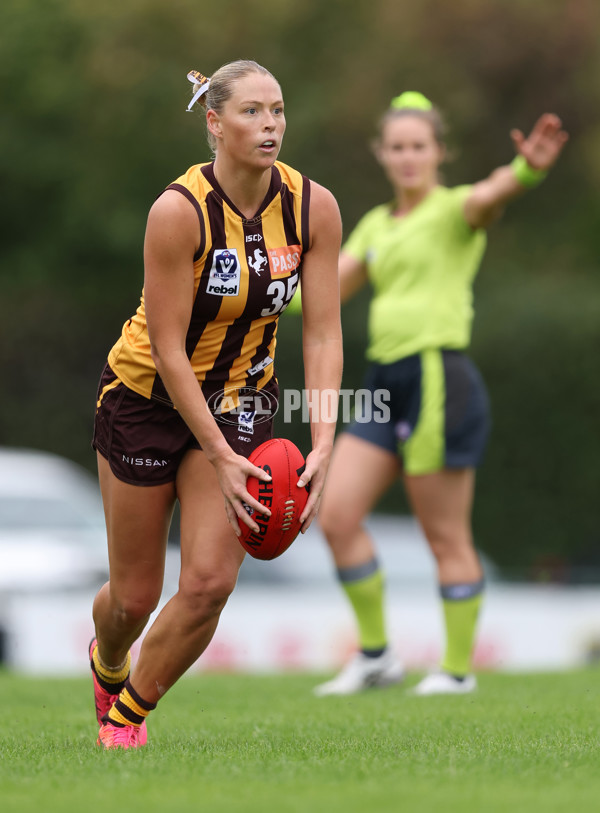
[197,78]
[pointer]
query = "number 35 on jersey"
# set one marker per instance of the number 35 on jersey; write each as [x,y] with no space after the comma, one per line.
[283,263]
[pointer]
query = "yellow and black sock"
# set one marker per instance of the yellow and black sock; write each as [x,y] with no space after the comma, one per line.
[461,604]
[364,586]
[112,679]
[129,708]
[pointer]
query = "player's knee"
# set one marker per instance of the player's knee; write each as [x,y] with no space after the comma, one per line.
[135,608]
[207,594]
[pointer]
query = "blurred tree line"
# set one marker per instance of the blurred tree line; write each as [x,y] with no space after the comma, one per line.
[93,127]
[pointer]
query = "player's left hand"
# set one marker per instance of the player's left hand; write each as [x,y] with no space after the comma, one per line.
[544,144]
[317,463]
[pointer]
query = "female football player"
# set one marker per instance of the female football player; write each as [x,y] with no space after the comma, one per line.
[420,252]
[177,413]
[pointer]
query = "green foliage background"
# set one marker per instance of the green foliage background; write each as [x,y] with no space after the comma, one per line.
[92,127]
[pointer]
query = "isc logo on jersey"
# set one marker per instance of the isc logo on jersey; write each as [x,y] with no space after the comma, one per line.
[224,277]
[283,261]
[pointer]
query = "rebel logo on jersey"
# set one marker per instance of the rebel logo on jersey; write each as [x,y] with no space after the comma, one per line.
[224,278]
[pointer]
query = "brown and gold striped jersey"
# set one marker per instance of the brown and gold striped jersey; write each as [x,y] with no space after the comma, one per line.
[245,274]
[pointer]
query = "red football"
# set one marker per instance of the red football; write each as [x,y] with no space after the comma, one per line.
[284,462]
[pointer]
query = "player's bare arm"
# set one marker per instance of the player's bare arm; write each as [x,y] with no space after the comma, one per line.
[322,337]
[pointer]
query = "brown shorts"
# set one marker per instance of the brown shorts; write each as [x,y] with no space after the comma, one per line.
[144,440]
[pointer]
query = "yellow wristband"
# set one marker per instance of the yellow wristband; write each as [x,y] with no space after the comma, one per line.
[526,175]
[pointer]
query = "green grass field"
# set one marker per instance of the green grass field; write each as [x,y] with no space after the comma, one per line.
[241,744]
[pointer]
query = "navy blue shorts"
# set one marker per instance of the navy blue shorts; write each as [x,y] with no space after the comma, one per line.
[435,413]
